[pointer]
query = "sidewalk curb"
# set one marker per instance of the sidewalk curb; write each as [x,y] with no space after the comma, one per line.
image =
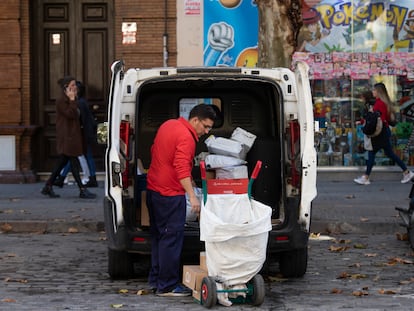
[363,228]
[37,226]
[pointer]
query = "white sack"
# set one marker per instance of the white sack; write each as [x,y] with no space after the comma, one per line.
[235,231]
[218,161]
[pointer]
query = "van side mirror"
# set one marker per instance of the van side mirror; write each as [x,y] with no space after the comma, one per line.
[102,133]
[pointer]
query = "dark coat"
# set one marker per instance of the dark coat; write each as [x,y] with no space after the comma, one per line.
[68,127]
[88,122]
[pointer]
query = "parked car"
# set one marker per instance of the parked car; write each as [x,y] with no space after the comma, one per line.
[273,104]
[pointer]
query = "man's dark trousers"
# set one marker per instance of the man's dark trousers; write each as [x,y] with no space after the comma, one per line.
[167,220]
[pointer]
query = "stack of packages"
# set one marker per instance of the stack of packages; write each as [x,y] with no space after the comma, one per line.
[227,155]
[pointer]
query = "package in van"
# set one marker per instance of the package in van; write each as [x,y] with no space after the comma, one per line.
[214,161]
[232,172]
[244,137]
[225,146]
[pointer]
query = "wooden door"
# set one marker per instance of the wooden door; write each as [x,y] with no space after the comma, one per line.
[69,38]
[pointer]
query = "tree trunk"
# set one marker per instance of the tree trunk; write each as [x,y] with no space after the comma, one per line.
[279,24]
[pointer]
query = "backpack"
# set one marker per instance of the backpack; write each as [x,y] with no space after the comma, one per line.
[373,124]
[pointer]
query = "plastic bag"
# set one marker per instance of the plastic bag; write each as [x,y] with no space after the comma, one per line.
[235,230]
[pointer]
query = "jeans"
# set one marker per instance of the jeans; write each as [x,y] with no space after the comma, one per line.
[388,152]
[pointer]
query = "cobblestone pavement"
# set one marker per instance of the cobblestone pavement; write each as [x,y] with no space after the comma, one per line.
[68,272]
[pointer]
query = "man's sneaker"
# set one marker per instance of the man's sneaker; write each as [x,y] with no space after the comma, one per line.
[363,180]
[179,291]
[407,177]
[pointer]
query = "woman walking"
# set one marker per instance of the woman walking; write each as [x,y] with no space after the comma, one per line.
[384,106]
[69,141]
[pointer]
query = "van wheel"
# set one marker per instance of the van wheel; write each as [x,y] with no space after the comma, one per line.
[294,263]
[120,264]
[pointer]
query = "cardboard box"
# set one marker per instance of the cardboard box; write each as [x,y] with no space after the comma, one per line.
[192,278]
[203,264]
[144,210]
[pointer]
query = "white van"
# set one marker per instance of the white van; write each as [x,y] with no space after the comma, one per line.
[273,104]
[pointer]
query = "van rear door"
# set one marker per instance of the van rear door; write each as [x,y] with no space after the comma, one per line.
[308,152]
[113,182]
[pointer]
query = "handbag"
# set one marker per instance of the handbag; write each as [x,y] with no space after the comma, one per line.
[367,143]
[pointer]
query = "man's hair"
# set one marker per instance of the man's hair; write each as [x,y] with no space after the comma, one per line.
[203,111]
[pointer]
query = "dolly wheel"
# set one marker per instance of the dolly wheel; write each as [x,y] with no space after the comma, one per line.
[258,290]
[208,292]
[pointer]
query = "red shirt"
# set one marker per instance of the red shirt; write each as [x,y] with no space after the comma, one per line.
[172,157]
[383,109]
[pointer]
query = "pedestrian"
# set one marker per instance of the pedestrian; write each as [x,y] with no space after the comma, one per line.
[168,180]
[89,127]
[69,141]
[384,106]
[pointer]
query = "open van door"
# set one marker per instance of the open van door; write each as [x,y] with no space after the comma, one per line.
[307,148]
[113,183]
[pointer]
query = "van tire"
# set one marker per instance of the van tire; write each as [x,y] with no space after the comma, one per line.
[120,264]
[294,263]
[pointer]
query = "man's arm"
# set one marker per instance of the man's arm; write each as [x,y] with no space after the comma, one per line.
[188,187]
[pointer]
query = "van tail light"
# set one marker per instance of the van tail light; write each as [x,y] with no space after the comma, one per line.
[125,133]
[294,152]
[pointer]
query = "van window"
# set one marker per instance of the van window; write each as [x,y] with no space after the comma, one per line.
[186,104]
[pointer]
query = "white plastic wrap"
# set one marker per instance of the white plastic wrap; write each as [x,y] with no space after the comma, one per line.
[232,172]
[225,146]
[218,161]
[244,137]
[235,230]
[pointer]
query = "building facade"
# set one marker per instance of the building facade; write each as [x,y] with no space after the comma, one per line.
[349,45]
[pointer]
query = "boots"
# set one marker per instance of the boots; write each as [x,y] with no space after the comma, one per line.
[59,181]
[85,194]
[92,183]
[48,190]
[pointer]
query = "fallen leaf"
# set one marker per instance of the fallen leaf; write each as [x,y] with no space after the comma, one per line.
[336,291]
[143,292]
[363,219]
[343,275]
[6,228]
[319,237]
[117,305]
[406,282]
[123,291]
[342,241]
[360,246]
[393,261]
[386,292]
[8,300]
[402,236]
[370,255]
[350,196]
[15,280]
[73,230]
[277,279]
[359,293]
[338,249]
[355,265]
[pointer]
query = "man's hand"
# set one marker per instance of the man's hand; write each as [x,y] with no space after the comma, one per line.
[195,204]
